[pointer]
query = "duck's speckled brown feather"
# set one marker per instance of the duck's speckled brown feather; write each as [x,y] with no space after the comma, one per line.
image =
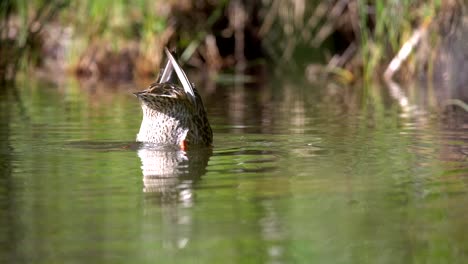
[169,117]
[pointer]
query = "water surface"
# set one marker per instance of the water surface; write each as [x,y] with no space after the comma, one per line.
[293,178]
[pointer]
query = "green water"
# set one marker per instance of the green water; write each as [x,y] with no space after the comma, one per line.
[293,178]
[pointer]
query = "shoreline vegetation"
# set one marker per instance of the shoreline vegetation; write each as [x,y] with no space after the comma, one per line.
[349,41]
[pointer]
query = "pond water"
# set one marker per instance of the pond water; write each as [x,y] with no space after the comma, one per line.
[293,177]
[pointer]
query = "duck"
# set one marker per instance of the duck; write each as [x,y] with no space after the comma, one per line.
[173,110]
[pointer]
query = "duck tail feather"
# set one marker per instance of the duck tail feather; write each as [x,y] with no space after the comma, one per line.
[188,88]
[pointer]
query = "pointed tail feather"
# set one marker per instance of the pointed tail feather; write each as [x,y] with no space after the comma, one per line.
[182,77]
[165,76]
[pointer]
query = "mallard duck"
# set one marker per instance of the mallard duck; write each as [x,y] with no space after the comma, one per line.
[173,112]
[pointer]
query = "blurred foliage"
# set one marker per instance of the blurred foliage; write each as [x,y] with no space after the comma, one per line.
[21,24]
[348,39]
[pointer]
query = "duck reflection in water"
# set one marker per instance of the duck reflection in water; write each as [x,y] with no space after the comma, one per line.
[169,176]
[171,173]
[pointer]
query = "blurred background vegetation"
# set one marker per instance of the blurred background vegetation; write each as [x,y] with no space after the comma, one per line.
[347,40]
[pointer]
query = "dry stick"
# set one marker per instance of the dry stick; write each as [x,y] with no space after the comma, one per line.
[192,47]
[458,103]
[405,51]
[338,61]
[395,90]
[319,12]
[299,9]
[327,28]
[269,18]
